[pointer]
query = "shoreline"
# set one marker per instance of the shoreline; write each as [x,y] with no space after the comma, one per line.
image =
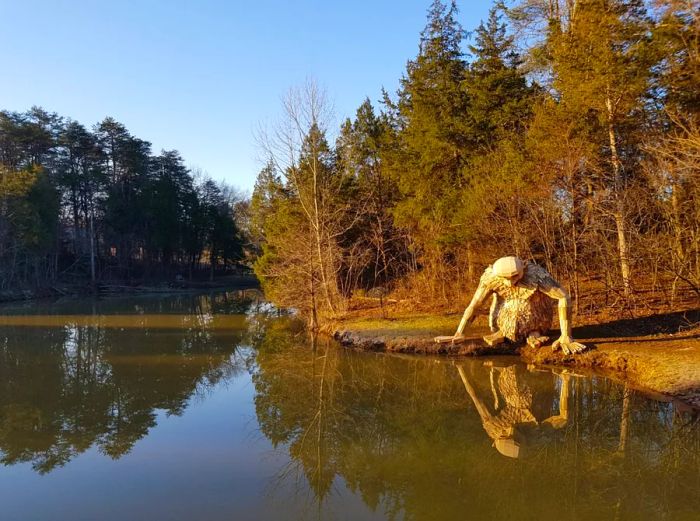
[658,354]
[106,289]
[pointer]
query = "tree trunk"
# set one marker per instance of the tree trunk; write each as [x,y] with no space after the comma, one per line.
[574,247]
[92,250]
[318,239]
[619,212]
[313,320]
[76,227]
[625,420]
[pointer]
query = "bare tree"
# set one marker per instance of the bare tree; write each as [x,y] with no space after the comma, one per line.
[298,149]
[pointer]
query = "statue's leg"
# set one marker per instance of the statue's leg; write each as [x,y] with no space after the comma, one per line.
[494,339]
[538,320]
[508,320]
[536,339]
[524,320]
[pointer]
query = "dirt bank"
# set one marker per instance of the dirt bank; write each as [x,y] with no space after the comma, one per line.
[658,353]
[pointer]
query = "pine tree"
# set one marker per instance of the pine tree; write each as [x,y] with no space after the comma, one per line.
[676,37]
[375,248]
[500,100]
[164,200]
[268,189]
[128,161]
[428,160]
[81,174]
[495,177]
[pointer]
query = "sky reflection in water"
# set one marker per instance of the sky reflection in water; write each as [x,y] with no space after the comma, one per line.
[200,408]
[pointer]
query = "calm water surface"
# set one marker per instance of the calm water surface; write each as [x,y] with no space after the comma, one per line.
[212,407]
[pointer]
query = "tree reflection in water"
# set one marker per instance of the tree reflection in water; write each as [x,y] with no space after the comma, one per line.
[408,437]
[66,388]
[403,434]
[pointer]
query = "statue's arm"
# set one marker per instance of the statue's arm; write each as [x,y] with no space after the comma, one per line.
[562,418]
[478,403]
[493,315]
[565,342]
[477,300]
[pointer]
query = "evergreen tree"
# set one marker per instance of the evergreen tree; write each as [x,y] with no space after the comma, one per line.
[428,162]
[495,178]
[376,253]
[83,202]
[29,201]
[674,145]
[222,238]
[81,177]
[128,166]
[676,38]
[268,189]
[603,65]
[500,100]
[165,200]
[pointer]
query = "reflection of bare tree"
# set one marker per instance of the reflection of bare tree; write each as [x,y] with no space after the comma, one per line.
[512,425]
[310,446]
[624,420]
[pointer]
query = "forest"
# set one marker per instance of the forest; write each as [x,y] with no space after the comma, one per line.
[562,131]
[88,205]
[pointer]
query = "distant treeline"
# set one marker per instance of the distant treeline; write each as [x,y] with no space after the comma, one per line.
[80,205]
[565,131]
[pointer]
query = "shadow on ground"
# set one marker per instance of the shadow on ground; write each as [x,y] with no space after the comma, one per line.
[667,323]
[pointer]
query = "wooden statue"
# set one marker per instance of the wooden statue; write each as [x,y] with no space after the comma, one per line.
[523,295]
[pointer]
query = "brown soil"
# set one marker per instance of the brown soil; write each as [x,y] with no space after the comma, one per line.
[658,353]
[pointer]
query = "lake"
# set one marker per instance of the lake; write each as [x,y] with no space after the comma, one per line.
[218,407]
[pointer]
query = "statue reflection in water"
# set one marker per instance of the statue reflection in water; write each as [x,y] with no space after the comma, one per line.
[518,422]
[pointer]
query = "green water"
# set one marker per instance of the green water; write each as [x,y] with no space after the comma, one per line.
[214,407]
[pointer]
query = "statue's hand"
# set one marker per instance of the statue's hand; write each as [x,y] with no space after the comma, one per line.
[568,346]
[556,422]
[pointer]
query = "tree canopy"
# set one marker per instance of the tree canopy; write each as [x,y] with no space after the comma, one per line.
[97,204]
[562,131]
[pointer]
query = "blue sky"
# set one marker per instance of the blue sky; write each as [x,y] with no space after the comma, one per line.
[201,76]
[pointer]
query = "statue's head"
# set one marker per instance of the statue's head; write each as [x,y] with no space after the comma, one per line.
[508,447]
[519,439]
[509,269]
